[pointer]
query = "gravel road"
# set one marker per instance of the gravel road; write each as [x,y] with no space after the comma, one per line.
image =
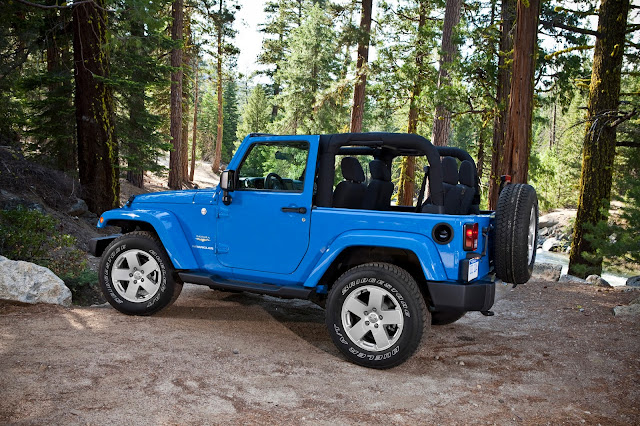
[553,353]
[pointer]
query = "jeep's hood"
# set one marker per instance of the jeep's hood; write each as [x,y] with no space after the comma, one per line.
[167,197]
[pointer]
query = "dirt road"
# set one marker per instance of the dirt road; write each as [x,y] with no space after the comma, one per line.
[218,357]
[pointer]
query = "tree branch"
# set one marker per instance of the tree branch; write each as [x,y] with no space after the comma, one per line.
[629,144]
[556,24]
[623,118]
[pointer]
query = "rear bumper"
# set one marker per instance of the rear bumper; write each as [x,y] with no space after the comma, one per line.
[476,296]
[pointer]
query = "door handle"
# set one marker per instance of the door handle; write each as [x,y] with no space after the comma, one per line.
[301,210]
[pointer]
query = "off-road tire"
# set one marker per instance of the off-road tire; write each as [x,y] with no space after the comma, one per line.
[446,317]
[402,302]
[146,248]
[514,246]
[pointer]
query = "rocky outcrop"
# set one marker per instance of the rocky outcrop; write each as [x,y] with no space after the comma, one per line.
[634,281]
[572,279]
[598,281]
[30,283]
[554,231]
[632,309]
[546,272]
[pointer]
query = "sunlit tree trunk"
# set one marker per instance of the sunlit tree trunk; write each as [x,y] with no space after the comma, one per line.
[195,125]
[508,16]
[406,184]
[175,158]
[215,166]
[600,137]
[95,117]
[520,116]
[448,50]
[357,113]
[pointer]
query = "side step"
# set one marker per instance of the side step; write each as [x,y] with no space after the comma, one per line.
[269,289]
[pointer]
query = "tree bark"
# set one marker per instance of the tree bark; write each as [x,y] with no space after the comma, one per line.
[215,166]
[195,125]
[508,15]
[520,116]
[406,184]
[442,117]
[357,113]
[175,158]
[135,172]
[600,137]
[95,118]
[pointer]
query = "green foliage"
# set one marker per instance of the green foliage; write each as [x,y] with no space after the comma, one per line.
[256,114]
[33,236]
[230,121]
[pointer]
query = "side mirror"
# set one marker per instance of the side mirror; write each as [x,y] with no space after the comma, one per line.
[227,180]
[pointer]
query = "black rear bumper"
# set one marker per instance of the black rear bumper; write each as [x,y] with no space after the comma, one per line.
[475,296]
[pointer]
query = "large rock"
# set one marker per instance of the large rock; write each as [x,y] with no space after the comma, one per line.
[546,272]
[634,281]
[79,208]
[598,281]
[550,243]
[30,283]
[571,279]
[632,309]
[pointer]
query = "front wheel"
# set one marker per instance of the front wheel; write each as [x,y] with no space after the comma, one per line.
[376,315]
[136,275]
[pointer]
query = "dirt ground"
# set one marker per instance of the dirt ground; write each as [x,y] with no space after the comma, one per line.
[217,357]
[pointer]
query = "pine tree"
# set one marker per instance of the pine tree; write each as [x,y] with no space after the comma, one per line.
[364,35]
[255,114]
[175,158]
[230,114]
[95,118]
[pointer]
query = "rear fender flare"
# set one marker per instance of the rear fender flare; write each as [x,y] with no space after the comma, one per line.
[421,246]
[167,227]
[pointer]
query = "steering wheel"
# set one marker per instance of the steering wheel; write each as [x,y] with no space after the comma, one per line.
[278,184]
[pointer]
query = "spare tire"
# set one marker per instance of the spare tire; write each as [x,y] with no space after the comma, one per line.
[516,233]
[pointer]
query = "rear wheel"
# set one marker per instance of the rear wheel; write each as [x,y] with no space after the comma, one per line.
[136,275]
[516,233]
[376,315]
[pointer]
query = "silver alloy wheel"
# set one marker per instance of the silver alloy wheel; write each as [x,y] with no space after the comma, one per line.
[531,239]
[372,318]
[136,275]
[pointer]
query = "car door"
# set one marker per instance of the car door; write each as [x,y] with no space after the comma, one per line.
[266,225]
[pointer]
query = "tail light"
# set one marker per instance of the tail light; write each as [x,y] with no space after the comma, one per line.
[470,236]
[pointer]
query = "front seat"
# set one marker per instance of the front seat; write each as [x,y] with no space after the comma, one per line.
[350,192]
[379,191]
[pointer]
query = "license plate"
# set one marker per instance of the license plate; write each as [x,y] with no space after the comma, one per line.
[473,269]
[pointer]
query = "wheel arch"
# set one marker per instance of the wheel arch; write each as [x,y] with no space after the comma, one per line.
[164,225]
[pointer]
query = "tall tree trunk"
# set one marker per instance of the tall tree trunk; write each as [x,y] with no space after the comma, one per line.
[519,122]
[357,113]
[95,118]
[195,125]
[186,59]
[600,138]
[135,172]
[442,117]
[482,141]
[508,15]
[406,184]
[175,158]
[215,166]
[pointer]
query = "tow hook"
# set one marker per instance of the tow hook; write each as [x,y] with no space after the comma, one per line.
[488,313]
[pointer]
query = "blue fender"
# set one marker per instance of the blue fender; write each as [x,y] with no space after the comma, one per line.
[167,227]
[421,246]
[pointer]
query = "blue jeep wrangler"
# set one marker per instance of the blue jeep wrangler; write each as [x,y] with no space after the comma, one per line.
[311,217]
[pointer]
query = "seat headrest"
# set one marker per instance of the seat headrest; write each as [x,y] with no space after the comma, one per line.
[450,170]
[352,170]
[466,173]
[379,170]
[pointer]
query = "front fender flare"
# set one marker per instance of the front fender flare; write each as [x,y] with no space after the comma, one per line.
[421,246]
[167,227]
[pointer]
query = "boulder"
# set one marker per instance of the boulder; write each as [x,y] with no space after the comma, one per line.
[547,221]
[571,279]
[598,281]
[30,283]
[632,309]
[546,272]
[634,281]
[79,208]
[550,243]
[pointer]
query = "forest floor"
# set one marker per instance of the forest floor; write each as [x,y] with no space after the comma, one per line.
[553,353]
